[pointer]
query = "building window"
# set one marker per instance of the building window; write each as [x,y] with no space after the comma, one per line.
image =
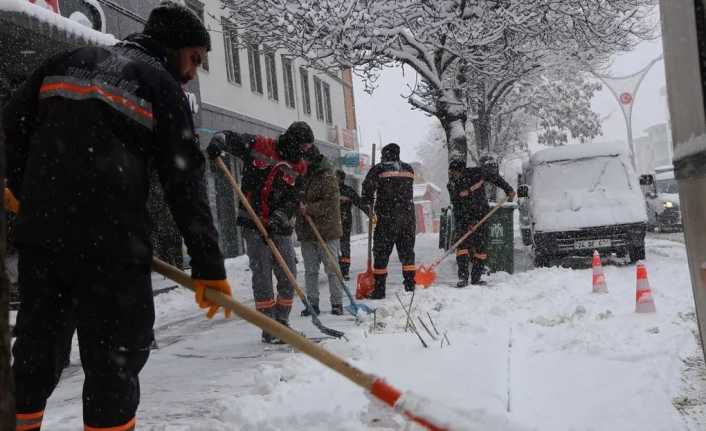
[327,102]
[255,68]
[288,82]
[271,75]
[197,8]
[230,44]
[318,99]
[306,96]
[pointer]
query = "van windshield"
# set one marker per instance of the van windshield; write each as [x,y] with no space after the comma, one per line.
[667,186]
[581,176]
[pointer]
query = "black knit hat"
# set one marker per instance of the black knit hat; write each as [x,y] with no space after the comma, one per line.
[457,165]
[390,152]
[175,26]
[300,132]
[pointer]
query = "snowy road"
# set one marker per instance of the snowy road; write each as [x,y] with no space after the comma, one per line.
[577,360]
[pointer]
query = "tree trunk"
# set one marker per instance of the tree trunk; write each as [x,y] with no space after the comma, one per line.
[7,391]
[455,129]
[483,132]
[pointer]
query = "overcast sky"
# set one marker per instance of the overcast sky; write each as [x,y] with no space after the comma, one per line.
[386,114]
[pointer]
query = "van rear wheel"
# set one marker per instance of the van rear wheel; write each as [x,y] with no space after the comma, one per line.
[637,253]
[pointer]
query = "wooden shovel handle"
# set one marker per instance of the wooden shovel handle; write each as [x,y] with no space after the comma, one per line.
[256,219]
[271,326]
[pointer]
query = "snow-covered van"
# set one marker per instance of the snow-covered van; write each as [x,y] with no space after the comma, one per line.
[582,198]
[662,198]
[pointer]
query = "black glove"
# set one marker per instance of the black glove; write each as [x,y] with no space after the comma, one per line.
[217,147]
[279,222]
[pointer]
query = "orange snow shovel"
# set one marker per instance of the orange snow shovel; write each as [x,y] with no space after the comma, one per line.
[413,407]
[366,280]
[426,275]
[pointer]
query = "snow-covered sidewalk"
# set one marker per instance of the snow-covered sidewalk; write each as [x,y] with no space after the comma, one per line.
[534,350]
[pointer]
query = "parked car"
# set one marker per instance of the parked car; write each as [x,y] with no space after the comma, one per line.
[581,198]
[662,199]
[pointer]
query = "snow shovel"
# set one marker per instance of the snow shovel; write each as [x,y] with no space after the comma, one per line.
[426,275]
[275,252]
[354,307]
[366,280]
[412,406]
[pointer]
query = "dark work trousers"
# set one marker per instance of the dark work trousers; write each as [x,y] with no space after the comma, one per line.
[344,259]
[262,265]
[394,232]
[110,304]
[472,249]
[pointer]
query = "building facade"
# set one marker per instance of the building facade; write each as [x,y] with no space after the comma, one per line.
[247,88]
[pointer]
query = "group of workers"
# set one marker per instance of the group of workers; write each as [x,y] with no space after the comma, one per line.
[83,135]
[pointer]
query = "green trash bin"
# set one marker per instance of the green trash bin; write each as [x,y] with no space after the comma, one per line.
[501,237]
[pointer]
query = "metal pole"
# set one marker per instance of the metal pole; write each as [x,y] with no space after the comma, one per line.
[630,89]
[684,39]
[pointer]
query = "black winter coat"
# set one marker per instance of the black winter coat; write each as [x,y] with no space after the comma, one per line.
[391,184]
[467,194]
[83,134]
[349,197]
[272,185]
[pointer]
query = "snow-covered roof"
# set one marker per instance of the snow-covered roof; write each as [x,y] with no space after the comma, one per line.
[573,152]
[421,189]
[47,16]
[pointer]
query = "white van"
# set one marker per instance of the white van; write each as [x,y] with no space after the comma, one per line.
[662,198]
[580,198]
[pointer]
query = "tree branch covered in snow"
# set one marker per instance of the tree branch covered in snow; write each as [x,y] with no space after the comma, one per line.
[468,53]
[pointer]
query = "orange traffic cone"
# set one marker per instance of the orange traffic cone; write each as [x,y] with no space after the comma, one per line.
[644,302]
[599,285]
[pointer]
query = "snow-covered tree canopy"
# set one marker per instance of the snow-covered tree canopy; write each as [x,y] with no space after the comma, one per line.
[452,44]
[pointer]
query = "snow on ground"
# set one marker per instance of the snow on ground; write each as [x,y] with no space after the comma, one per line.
[533,350]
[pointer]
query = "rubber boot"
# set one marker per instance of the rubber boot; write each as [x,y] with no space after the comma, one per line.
[268,338]
[476,273]
[379,292]
[315,307]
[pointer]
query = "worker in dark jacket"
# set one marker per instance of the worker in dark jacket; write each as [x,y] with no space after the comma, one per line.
[82,135]
[320,202]
[467,192]
[390,185]
[349,197]
[271,169]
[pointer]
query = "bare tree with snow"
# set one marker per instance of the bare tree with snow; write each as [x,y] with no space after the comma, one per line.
[446,42]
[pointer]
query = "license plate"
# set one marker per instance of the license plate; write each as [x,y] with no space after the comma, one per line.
[591,243]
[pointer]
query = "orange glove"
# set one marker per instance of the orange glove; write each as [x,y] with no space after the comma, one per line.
[219,285]
[11,202]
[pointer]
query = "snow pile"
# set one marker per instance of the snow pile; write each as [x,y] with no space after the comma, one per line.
[599,188]
[574,152]
[535,348]
[54,19]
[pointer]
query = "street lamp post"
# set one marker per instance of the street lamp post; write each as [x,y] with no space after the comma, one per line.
[624,89]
